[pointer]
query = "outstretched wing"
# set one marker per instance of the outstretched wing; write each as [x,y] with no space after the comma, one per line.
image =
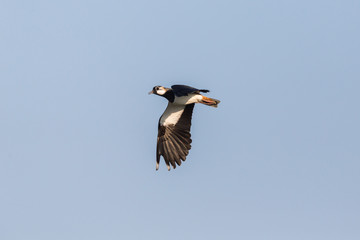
[174,138]
[183,90]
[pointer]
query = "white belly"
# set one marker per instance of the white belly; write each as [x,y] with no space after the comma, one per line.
[185,100]
[172,114]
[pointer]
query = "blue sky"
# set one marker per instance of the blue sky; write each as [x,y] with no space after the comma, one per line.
[279,158]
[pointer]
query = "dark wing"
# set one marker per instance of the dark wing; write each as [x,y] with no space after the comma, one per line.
[174,140]
[183,90]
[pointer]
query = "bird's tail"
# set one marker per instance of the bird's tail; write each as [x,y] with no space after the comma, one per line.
[209,101]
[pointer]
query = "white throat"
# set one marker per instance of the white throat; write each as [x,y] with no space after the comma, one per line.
[161,91]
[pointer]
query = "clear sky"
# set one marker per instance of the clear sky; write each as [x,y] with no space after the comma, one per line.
[279,159]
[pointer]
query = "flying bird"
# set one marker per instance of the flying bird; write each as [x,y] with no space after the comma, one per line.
[174,138]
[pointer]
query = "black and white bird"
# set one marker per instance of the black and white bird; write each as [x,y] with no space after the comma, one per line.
[174,138]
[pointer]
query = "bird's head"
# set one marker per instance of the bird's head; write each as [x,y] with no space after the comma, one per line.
[159,90]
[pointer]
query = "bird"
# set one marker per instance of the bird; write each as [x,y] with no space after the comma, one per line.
[174,138]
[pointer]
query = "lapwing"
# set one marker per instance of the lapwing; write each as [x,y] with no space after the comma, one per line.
[174,138]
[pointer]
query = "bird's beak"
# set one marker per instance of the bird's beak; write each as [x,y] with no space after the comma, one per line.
[151,92]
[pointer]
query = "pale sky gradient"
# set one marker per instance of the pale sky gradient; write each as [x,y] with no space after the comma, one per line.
[279,159]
